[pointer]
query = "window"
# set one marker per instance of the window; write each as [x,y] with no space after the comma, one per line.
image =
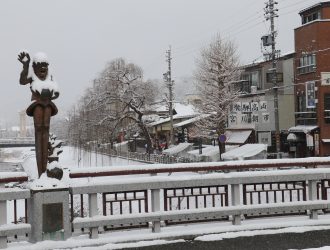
[307,64]
[327,102]
[301,100]
[255,79]
[327,108]
[250,79]
[311,17]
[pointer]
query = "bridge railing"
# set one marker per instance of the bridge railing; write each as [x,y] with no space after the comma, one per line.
[10,229]
[199,197]
[207,191]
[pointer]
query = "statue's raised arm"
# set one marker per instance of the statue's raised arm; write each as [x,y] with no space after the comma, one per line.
[24,58]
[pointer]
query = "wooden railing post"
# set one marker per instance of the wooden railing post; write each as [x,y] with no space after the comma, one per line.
[93,211]
[236,200]
[3,220]
[312,195]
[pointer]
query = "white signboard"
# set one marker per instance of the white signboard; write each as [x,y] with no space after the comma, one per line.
[325,78]
[265,138]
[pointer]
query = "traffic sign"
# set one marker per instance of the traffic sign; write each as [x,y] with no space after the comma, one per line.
[222,138]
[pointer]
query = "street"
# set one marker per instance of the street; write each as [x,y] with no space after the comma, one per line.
[311,239]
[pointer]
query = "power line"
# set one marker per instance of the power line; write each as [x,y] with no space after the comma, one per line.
[242,28]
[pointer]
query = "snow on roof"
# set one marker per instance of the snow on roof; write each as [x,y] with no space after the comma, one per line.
[211,151]
[205,149]
[244,151]
[164,120]
[191,120]
[177,148]
[182,111]
[120,144]
[237,136]
[303,128]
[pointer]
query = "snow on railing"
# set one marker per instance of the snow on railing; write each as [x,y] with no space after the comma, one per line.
[311,162]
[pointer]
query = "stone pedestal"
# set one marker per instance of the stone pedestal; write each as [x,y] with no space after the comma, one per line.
[49,214]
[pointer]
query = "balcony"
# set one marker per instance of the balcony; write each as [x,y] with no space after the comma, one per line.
[306,118]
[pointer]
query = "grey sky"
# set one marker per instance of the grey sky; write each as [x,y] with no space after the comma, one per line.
[80,36]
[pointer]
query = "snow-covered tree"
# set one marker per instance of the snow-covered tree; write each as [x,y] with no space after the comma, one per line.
[217,68]
[117,102]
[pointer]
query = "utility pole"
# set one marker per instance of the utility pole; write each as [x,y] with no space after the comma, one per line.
[270,14]
[169,84]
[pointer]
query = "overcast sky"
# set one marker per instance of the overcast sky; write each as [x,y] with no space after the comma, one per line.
[80,36]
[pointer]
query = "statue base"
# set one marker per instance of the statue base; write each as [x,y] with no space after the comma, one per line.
[49,214]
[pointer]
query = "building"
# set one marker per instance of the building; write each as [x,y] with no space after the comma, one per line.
[253,112]
[311,135]
[160,129]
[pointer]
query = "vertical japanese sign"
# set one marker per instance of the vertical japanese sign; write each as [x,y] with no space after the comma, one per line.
[310,94]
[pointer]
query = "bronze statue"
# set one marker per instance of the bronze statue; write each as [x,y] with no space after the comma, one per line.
[44,90]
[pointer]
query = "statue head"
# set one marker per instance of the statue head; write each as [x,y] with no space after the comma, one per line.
[40,65]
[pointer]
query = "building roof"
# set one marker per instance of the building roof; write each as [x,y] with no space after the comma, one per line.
[178,148]
[182,111]
[190,121]
[315,6]
[244,151]
[256,64]
[237,136]
[303,128]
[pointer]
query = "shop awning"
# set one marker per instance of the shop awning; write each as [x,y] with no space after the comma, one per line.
[237,136]
[326,140]
[302,129]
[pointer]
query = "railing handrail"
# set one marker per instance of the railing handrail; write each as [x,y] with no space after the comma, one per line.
[6,177]
[14,194]
[311,162]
